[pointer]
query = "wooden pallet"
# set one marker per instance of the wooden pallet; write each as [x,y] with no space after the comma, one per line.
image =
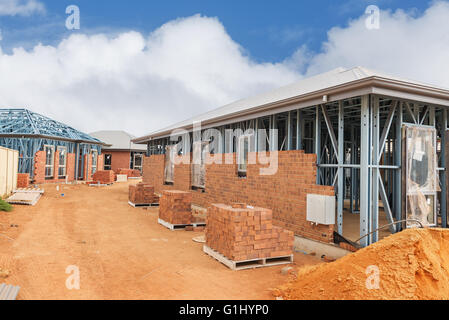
[143,205]
[100,185]
[248,264]
[29,190]
[174,227]
[27,198]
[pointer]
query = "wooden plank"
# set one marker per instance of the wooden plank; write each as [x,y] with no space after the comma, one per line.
[8,292]
[143,205]
[174,227]
[248,264]
[24,198]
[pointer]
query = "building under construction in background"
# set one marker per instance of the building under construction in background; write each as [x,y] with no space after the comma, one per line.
[49,151]
[358,150]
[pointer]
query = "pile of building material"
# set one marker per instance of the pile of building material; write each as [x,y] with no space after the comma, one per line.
[23,180]
[413,264]
[26,196]
[142,195]
[239,234]
[131,173]
[8,292]
[105,177]
[175,211]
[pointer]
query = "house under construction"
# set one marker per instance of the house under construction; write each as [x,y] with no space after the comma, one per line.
[49,151]
[358,150]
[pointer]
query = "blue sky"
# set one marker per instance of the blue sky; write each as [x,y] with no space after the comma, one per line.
[189,57]
[267,30]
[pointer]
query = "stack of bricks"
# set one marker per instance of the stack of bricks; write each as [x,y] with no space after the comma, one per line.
[142,194]
[104,177]
[23,180]
[175,207]
[243,233]
[131,173]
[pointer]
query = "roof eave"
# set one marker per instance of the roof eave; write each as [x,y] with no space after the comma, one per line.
[41,136]
[438,95]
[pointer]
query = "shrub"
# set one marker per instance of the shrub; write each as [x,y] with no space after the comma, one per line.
[4,206]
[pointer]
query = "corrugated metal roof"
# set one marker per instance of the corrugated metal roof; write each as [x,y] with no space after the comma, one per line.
[8,292]
[337,78]
[118,140]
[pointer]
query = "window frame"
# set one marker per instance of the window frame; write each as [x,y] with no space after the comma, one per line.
[170,152]
[201,166]
[242,166]
[64,167]
[52,165]
[107,167]
[94,154]
[138,155]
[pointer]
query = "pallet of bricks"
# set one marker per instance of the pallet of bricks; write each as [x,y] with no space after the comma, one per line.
[175,211]
[243,237]
[105,177]
[131,173]
[142,194]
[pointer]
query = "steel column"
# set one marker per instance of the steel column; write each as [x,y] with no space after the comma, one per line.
[365,170]
[374,223]
[318,141]
[341,179]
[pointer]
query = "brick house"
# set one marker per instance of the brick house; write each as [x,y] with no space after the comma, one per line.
[121,152]
[49,151]
[353,138]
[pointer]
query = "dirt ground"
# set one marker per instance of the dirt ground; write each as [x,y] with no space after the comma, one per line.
[121,252]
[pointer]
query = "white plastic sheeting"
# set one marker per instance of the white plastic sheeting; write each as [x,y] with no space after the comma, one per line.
[169,170]
[422,181]
[200,151]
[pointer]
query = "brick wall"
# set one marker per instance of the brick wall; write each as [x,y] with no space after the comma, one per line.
[23,180]
[39,167]
[120,159]
[284,192]
[100,162]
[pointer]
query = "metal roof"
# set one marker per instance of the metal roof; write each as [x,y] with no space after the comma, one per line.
[8,292]
[336,84]
[23,122]
[118,140]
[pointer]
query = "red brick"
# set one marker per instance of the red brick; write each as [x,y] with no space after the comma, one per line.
[23,180]
[285,192]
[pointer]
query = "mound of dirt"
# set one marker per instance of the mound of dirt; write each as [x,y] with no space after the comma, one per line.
[413,264]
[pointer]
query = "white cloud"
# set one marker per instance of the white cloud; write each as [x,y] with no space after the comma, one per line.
[191,65]
[139,84]
[408,45]
[20,7]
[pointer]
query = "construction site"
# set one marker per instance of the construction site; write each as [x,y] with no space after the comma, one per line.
[331,188]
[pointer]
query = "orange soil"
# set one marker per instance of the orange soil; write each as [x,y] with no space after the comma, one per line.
[122,252]
[413,264]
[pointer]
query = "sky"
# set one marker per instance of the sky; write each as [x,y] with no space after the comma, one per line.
[142,65]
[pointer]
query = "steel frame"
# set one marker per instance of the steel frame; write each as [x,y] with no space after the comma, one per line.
[28,132]
[358,146]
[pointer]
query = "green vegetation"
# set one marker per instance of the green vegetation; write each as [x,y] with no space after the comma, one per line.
[4,206]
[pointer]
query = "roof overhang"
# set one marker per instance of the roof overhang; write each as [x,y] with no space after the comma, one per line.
[34,136]
[369,85]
